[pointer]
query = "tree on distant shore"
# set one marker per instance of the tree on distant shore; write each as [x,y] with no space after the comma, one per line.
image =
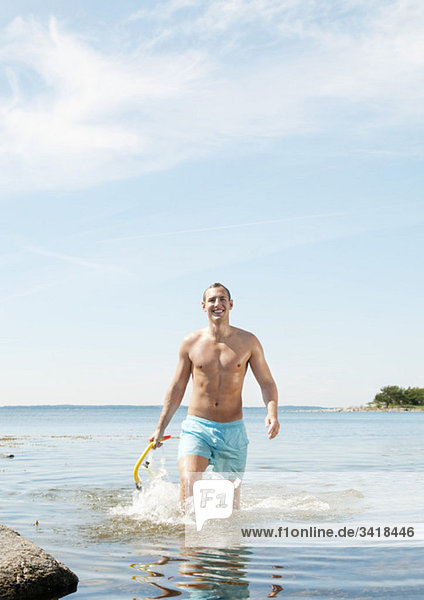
[415,396]
[393,395]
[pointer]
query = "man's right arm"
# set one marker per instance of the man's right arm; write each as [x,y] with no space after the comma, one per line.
[174,394]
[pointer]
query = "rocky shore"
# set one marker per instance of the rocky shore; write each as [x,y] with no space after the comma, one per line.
[28,573]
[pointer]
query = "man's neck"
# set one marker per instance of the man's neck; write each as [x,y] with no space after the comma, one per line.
[219,331]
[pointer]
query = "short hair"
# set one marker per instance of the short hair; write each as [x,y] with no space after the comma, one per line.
[215,285]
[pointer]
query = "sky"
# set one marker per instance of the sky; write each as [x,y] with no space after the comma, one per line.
[148,149]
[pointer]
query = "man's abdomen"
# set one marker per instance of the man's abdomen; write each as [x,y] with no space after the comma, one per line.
[222,409]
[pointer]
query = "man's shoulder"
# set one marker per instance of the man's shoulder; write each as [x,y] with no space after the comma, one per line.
[193,337]
[245,336]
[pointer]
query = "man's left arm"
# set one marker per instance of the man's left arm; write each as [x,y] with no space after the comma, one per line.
[269,391]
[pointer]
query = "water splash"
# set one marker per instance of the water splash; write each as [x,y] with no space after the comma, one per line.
[156,503]
[303,503]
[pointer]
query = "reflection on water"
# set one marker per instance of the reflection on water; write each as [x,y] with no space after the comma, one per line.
[205,574]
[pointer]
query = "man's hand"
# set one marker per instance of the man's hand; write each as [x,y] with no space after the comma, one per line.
[273,426]
[156,437]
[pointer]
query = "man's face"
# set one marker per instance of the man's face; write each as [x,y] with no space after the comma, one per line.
[217,304]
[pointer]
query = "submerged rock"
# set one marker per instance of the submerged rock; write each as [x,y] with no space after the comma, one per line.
[28,573]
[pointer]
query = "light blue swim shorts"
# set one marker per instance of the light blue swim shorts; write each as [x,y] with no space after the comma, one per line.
[224,444]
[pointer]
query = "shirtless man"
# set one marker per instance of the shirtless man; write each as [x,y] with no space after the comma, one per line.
[217,358]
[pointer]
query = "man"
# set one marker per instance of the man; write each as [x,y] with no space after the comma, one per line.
[217,358]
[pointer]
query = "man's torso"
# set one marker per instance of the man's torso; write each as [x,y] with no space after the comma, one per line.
[218,371]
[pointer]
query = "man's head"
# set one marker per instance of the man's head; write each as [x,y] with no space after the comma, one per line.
[217,302]
[216,285]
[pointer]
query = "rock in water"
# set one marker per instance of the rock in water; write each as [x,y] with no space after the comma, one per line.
[28,573]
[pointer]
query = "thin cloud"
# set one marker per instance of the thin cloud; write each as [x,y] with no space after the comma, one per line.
[220,227]
[200,79]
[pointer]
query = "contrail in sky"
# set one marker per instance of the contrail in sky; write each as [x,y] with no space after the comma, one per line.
[76,260]
[68,258]
[34,290]
[219,227]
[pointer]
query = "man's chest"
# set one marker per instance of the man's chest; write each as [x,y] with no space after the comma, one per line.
[209,356]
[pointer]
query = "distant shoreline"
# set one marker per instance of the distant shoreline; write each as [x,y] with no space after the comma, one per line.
[282,407]
[364,409]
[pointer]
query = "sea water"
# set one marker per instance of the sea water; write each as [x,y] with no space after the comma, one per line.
[70,489]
